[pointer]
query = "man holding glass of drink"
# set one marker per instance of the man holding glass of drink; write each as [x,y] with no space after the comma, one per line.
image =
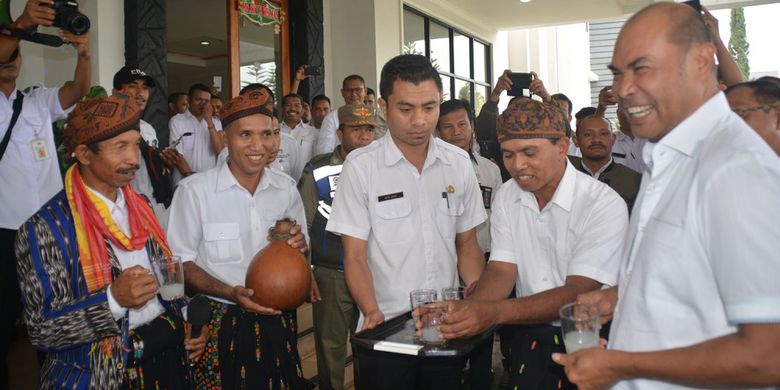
[555,232]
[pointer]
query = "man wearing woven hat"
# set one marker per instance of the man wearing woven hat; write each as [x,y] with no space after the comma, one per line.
[218,222]
[335,312]
[555,232]
[84,266]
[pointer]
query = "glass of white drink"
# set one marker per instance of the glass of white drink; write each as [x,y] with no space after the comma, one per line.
[431,316]
[170,276]
[580,326]
[421,297]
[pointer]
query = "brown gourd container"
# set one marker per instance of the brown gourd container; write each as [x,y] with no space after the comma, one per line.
[279,274]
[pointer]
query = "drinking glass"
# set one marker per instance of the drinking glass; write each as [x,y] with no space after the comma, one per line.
[580,326]
[170,276]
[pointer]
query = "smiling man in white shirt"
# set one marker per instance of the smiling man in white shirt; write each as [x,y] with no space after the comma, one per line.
[556,233]
[698,301]
[219,220]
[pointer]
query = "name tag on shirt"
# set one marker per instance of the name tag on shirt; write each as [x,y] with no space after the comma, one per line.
[487,195]
[39,149]
[396,195]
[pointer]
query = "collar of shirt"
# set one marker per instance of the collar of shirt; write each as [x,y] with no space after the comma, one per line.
[189,115]
[599,171]
[226,180]
[686,137]
[335,157]
[118,208]
[283,126]
[563,196]
[394,155]
[12,97]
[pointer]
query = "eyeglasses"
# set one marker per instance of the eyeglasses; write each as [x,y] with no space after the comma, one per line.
[743,112]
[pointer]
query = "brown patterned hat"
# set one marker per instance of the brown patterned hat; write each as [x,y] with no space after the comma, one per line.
[100,119]
[358,115]
[250,103]
[527,118]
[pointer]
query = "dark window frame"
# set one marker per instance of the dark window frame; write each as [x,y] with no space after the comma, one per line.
[472,82]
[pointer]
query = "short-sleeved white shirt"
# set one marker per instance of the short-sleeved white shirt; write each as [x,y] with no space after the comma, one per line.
[219,225]
[706,244]
[288,158]
[195,148]
[581,231]
[408,218]
[29,181]
[628,151]
[306,136]
[489,178]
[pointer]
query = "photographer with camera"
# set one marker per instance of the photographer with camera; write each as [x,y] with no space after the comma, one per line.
[29,171]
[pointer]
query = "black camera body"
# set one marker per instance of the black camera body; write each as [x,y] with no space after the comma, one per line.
[68,17]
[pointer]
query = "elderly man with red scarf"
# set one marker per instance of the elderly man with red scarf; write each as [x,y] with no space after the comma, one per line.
[90,301]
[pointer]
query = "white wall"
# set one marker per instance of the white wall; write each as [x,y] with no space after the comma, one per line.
[54,66]
[559,55]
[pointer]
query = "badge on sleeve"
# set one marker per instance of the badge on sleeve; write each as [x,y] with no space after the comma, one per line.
[39,149]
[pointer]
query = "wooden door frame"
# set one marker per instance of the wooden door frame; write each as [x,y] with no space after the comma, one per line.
[234,55]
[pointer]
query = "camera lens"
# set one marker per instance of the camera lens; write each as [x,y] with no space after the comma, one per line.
[78,24]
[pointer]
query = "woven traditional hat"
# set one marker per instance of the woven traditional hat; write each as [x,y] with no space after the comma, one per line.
[250,103]
[358,115]
[100,119]
[527,118]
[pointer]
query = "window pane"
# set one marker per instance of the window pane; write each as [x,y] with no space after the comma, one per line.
[414,33]
[480,73]
[462,53]
[440,47]
[463,89]
[480,97]
[447,92]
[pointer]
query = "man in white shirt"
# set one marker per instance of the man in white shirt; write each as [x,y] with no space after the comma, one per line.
[201,148]
[151,180]
[627,149]
[698,302]
[29,170]
[353,90]
[320,108]
[407,210]
[555,232]
[292,124]
[219,220]
[90,299]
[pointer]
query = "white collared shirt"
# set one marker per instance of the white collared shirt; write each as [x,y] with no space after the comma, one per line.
[29,180]
[288,159]
[628,151]
[408,218]
[219,225]
[581,232]
[705,240]
[195,148]
[306,136]
[489,178]
[598,172]
[127,259]
[327,139]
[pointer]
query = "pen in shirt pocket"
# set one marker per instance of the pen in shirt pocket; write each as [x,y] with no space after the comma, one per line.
[445,196]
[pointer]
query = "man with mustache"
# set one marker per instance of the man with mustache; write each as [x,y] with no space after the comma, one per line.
[90,300]
[292,123]
[698,303]
[29,169]
[595,138]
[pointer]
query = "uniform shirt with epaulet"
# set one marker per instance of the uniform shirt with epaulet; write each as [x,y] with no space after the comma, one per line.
[409,218]
[624,180]
[318,188]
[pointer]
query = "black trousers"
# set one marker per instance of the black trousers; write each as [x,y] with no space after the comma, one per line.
[377,370]
[10,301]
[531,360]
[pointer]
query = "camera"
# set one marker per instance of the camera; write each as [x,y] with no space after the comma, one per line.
[68,17]
[312,71]
[520,82]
